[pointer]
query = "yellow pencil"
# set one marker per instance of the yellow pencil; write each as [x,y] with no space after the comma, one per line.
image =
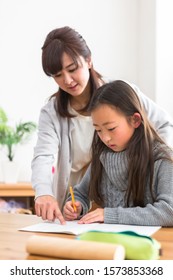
[73,200]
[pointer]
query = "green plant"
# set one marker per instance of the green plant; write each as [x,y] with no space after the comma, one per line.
[11,136]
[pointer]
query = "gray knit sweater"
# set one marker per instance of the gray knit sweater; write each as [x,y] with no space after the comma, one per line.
[113,187]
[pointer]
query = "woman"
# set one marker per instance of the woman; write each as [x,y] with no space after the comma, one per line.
[65,128]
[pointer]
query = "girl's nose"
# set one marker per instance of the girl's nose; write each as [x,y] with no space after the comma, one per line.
[106,138]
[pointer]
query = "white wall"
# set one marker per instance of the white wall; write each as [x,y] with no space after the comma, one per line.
[146,35]
[155,61]
[164,55]
[120,33]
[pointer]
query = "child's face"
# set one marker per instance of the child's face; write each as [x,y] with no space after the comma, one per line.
[112,127]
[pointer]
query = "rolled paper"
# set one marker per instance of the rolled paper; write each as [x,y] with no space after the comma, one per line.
[64,248]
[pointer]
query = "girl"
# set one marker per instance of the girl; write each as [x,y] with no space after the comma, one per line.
[65,129]
[131,173]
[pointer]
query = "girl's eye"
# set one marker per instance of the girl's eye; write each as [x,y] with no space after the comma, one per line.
[98,131]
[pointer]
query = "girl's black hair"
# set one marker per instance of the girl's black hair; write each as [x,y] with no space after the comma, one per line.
[122,96]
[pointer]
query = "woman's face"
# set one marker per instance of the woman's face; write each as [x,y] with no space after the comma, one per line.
[71,79]
[113,128]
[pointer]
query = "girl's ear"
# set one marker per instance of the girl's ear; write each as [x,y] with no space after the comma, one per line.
[136,120]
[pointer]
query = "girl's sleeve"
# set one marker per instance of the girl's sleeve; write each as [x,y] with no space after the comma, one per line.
[44,152]
[158,117]
[160,213]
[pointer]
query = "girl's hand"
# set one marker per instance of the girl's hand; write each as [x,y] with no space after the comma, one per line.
[68,210]
[93,217]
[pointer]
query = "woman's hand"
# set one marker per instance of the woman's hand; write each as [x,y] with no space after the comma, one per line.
[47,207]
[93,217]
[68,210]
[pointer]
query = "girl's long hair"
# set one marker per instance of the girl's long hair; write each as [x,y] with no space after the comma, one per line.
[141,159]
[66,40]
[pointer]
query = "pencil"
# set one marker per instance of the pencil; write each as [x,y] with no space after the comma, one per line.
[73,200]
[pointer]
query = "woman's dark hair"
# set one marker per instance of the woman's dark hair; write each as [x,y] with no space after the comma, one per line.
[66,40]
[141,159]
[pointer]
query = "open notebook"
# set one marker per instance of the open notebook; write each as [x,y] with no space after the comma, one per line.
[72,227]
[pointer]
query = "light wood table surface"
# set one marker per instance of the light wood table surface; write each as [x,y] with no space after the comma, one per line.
[13,241]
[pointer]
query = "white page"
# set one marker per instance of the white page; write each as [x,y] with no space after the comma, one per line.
[72,227]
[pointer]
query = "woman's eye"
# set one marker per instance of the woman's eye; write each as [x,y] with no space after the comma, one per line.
[72,70]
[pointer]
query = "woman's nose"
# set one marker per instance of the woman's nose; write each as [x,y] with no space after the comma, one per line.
[68,79]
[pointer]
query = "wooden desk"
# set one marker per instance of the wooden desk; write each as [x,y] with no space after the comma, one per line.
[13,242]
[18,190]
